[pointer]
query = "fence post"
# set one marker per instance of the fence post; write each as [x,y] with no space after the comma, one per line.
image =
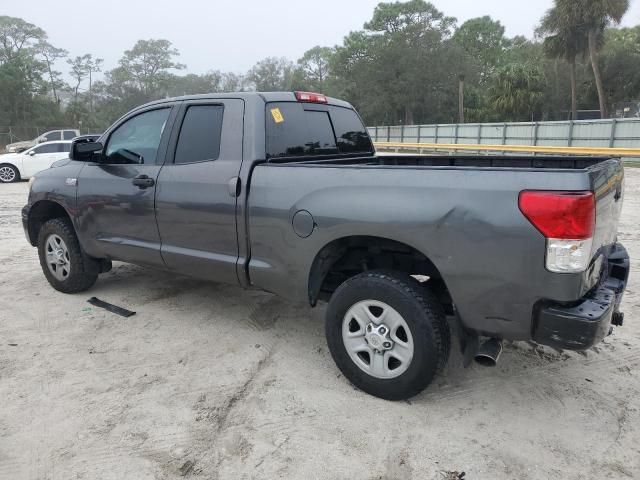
[402,133]
[570,139]
[612,137]
[504,133]
[535,133]
[419,129]
[479,133]
[376,135]
[456,134]
[388,133]
[436,139]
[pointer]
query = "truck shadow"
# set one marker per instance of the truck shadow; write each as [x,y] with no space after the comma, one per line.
[522,364]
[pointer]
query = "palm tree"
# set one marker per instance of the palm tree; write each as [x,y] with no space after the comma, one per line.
[517,91]
[587,20]
[565,39]
[595,16]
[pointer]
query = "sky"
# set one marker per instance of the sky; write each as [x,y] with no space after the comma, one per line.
[233,35]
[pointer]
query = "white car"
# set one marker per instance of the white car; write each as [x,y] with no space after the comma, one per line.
[23,165]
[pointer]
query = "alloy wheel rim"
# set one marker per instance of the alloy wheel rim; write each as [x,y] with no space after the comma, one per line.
[7,174]
[377,339]
[57,256]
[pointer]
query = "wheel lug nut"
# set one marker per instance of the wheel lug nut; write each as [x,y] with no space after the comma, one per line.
[382,330]
[386,344]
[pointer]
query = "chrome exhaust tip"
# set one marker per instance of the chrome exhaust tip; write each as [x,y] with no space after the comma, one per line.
[489,352]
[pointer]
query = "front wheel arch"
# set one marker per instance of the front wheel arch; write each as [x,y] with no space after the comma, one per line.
[41,212]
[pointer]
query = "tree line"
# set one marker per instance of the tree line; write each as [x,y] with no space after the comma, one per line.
[411,63]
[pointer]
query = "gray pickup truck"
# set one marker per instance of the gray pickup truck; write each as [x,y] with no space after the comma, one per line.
[284,192]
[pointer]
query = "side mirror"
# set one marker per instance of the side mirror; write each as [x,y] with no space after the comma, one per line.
[32,153]
[83,150]
[41,139]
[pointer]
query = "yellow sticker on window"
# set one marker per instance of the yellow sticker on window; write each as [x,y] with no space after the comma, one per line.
[277,115]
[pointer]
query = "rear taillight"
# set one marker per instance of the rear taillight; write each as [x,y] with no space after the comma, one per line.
[311,97]
[567,220]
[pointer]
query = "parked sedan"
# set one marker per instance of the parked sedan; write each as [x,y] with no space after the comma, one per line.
[23,165]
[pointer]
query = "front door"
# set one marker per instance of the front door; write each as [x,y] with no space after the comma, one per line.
[40,158]
[196,196]
[116,195]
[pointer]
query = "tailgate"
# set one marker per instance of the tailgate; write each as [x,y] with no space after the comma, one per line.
[607,182]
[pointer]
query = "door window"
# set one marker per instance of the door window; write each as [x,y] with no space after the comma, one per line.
[68,134]
[48,148]
[137,139]
[64,147]
[51,136]
[199,139]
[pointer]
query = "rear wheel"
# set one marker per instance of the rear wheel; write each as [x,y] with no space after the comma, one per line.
[9,173]
[62,260]
[387,334]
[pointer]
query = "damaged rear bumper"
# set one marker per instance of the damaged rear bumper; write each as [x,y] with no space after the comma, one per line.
[585,323]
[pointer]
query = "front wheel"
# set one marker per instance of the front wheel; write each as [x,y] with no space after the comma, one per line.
[9,173]
[61,259]
[387,334]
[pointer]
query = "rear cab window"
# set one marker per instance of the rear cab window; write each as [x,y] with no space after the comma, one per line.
[296,129]
[200,133]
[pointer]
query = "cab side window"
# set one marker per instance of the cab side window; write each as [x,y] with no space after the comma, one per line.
[52,136]
[68,134]
[199,139]
[137,139]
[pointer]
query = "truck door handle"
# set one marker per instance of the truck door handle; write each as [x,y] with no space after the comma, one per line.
[235,186]
[143,181]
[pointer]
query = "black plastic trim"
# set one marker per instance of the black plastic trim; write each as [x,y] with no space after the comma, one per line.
[582,325]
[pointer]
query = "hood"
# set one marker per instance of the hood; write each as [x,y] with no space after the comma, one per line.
[20,145]
[5,157]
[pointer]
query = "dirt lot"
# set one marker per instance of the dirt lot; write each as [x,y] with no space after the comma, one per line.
[210,381]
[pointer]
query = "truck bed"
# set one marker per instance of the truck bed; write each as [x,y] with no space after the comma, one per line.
[460,211]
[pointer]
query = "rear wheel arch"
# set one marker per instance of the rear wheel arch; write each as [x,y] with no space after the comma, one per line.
[347,257]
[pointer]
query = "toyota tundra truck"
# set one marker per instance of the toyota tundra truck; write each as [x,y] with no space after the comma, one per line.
[284,192]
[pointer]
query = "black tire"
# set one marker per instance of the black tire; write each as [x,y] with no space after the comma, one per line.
[9,179]
[422,313]
[83,271]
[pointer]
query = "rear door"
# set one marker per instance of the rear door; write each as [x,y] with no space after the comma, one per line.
[116,196]
[196,194]
[69,134]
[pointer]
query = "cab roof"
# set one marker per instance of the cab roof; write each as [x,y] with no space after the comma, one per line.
[264,97]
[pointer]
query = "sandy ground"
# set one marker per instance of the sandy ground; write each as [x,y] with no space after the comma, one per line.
[210,381]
